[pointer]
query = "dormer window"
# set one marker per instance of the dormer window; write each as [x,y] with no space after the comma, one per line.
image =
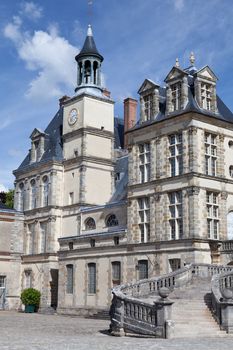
[149,100]
[176,96]
[206,96]
[38,145]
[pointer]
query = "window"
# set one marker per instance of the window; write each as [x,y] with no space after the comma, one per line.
[210,154]
[92,243]
[70,279]
[116,273]
[144,219]
[176,156]
[36,150]
[71,198]
[142,269]
[2,281]
[175,264]
[92,278]
[45,189]
[31,238]
[33,194]
[43,236]
[231,171]
[212,215]
[148,105]
[116,240]
[71,245]
[111,221]
[21,197]
[90,224]
[144,162]
[176,96]
[28,278]
[206,96]
[176,220]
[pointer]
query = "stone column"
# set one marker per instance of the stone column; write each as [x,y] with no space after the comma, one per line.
[155,102]
[158,216]
[153,160]
[213,102]
[185,151]
[27,195]
[142,110]
[193,207]
[223,216]
[158,157]
[184,92]
[117,317]
[82,186]
[78,74]
[92,73]
[220,171]
[163,308]
[197,90]
[193,149]
[169,101]
[130,165]
[166,234]
[32,153]
[53,188]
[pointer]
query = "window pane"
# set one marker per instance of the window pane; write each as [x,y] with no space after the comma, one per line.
[92,278]
[69,284]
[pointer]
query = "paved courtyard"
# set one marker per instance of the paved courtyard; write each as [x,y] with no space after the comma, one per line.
[46,332]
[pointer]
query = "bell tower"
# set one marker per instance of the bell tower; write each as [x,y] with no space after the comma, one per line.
[89,64]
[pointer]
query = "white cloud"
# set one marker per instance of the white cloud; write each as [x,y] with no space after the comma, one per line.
[179,4]
[47,53]
[31,10]
[3,188]
[4,124]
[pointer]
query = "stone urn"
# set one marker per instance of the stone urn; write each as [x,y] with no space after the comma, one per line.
[227,293]
[164,292]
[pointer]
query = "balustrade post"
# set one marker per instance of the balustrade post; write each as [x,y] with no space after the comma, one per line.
[163,308]
[117,317]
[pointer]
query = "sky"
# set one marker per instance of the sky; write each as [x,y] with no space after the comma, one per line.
[138,38]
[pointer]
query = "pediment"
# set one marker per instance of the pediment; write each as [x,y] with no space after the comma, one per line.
[36,134]
[175,73]
[147,85]
[206,72]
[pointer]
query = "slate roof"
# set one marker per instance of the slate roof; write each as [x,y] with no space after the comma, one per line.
[119,132]
[121,167]
[89,49]
[53,142]
[223,111]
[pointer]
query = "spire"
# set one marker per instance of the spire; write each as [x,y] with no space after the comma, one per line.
[89,30]
[89,47]
[192,58]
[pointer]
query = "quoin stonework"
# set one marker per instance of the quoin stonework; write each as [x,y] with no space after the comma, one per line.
[101,201]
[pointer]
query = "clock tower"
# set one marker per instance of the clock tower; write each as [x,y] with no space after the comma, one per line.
[88,134]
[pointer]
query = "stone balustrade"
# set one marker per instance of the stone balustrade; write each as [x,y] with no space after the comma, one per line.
[130,314]
[227,246]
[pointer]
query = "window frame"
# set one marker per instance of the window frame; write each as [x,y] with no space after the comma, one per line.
[210,143]
[212,211]
[144,218]
[176,214]
[69,279]
[176,154]
[91,288]
[144,151]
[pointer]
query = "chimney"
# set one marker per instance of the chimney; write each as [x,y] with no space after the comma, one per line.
[62,100]
[106,92]
[130,116]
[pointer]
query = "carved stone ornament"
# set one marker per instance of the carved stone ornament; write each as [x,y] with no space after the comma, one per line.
[192,130]
[157,197]
[52,218]
[221,137]
[224,195]
[191,191]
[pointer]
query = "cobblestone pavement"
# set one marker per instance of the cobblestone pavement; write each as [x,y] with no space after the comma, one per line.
[45,332]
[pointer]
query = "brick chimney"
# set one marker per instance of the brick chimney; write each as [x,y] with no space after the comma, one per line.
[106,92]
[130,116]
[62,100]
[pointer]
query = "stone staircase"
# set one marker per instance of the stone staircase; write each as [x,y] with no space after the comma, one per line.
[191,312]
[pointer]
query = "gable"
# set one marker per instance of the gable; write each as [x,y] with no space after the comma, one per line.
[147,85]
[207,73]
[36,133]
[174,73]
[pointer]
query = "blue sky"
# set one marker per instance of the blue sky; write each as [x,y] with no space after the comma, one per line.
[138,38]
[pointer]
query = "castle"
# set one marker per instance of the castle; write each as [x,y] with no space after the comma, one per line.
[93,210]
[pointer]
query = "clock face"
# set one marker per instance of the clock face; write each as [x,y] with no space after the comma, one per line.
[73,116]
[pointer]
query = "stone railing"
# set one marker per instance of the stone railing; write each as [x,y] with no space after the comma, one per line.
[227,246]
[222,300]
[130,314]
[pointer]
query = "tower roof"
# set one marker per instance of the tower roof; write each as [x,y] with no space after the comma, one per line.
[89,47]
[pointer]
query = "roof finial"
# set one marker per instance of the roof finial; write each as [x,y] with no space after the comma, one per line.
[89,30]
[192,58]
[177,63]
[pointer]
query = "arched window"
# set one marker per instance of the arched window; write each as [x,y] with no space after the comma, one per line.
[45,189]
[33,194]
[90,224]
[111,220]
[231,170]
[87,72]
[95,70]
[21,197]
[230,225]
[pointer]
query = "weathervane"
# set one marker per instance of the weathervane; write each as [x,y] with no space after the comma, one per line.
[90,3]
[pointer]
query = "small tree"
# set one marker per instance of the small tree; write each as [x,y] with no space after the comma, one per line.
[10,198]
[30,296]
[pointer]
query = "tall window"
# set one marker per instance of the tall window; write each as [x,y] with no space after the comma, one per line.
[2,281]
[142,269]
[176,157]
[45,194]
[210,154]
[206,96]
[144,162]
[144,219]
[33,194]
[21,197]
[148,104]
[90,224]
[71,198]
[43,236]
[31,239]
[116,273]
[212,214]
[176,220]
[28,278]
[70,279]
[92,278]
[176,96]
